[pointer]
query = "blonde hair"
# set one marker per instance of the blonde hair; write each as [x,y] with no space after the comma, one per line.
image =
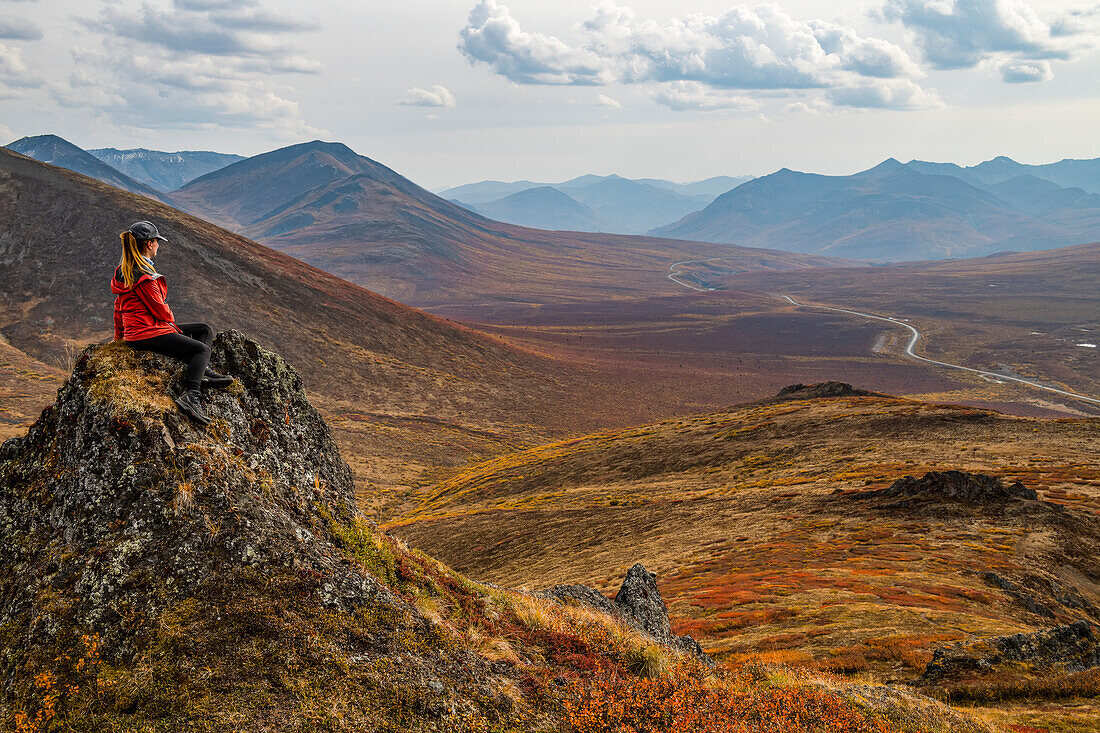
[132,257]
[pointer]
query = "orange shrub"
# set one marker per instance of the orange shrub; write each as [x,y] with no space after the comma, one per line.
[691,699]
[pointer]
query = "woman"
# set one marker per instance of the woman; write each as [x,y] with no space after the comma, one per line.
[146,322]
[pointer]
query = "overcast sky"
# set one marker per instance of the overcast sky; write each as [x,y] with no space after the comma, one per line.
[453,91]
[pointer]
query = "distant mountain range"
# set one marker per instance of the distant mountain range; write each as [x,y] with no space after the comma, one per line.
[898,212]
[356,218]
[1069,173]
[164,171]
[591,203]
[60,152]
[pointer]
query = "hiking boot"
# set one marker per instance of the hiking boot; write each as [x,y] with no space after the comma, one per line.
[190,402]
[214,380]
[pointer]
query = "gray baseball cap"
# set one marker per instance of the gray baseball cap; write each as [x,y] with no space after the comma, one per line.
[144,230]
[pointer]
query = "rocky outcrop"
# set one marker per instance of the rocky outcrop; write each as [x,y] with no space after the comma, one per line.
[955,486]
[1069,648]
[638,603]
[118,502]
[819,391]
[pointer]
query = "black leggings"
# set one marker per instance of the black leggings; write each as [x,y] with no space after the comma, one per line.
[191,346]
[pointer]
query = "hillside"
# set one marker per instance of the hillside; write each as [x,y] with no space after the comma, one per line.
[404,389]
[222,580]
[60,152]
[767,533]
[164,171]
[888,213]
[357,219]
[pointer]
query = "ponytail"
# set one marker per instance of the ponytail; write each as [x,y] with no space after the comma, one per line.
[131,258]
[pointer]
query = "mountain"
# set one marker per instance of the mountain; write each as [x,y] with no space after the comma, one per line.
[543,208]
[358,219]
[709,187]
[622,205]
[60,152]
[486,191]
[591,204]
[890,212]
[1068,173]
[631,207]
[164,171]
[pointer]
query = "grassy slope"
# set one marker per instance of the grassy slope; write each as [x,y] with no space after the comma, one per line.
[745,516]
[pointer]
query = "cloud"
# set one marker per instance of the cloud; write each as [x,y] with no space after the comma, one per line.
[234,33]
[602,100]
[871,57]
[437,96]
[745,49]
[900,94]
[493,36]
[15,77]
[961,34]
[199,64]
[692,95]
[19,29]
[1022,72]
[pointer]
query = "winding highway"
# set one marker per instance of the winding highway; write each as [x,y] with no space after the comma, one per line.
[915,337]
[674,274]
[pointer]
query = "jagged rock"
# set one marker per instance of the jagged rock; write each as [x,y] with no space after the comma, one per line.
[638,603]
[639,598]
[973,488]
[817,391]
[1069,648]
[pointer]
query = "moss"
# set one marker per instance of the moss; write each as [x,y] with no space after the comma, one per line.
[117,376]
[362,542]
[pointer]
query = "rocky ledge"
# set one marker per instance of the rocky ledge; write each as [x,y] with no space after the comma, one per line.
[1069,648]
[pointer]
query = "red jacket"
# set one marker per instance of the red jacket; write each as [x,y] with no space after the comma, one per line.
[140,310]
